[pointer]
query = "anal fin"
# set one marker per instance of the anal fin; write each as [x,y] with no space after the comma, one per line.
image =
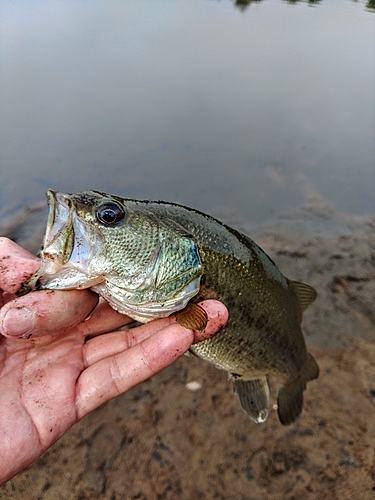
[253,396]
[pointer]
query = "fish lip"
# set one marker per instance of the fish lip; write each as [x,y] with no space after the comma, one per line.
[59,238]
[51,201]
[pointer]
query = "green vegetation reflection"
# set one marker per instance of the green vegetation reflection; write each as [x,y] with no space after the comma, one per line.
[244,4]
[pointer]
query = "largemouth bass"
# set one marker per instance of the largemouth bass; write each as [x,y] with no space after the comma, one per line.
[150,259]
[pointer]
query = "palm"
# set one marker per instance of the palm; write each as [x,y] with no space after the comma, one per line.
[50,382]
[40,377]
[44,382]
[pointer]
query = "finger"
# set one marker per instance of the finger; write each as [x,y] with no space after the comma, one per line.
[103,319]
[113,343]
[16,265]
[9,247]
[116,342]
[45,312]
[116,374]
[217,317]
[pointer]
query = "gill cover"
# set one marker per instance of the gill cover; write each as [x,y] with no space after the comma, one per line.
[166,282]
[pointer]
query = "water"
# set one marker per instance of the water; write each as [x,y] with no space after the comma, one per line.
[251,110]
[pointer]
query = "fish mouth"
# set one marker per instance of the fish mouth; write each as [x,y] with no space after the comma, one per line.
[58,242]
[59,238]
[69,247]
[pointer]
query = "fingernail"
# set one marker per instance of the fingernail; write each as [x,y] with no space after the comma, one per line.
[17,322]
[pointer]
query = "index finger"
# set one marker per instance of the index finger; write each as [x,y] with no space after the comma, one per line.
[112,343]
[45,312]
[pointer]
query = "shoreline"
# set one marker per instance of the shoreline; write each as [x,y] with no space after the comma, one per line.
[178,443]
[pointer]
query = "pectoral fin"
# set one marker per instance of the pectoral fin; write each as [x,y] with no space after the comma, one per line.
[193,316]
[253,396]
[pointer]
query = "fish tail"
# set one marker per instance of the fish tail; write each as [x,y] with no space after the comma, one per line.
[253,396]
[290,396]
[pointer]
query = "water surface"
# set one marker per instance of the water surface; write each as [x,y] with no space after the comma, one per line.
[251,110]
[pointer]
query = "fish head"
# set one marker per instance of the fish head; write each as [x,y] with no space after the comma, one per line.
[144,266]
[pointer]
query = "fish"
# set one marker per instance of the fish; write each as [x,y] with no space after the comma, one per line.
[152,259]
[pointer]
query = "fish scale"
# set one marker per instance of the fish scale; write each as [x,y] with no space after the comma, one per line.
[152,259]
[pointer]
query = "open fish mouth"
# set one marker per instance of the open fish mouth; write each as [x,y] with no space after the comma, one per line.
[59,238]
[67,250]
[58,242]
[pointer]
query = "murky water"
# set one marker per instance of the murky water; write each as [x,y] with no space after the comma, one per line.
[251,110]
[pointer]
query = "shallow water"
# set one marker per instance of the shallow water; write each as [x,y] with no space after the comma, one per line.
[252,110]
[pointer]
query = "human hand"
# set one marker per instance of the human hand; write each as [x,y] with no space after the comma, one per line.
[55,364]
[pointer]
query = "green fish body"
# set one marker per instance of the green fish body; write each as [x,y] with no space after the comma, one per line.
[150,259]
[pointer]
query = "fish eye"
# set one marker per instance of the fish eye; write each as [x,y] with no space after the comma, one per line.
[110,214]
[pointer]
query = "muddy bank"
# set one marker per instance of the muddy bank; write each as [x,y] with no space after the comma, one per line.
[163,440]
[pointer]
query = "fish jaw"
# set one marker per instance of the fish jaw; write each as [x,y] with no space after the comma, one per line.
[68,248]
[123,302]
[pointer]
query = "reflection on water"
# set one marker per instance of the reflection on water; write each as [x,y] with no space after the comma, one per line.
[243,4]
[250,111]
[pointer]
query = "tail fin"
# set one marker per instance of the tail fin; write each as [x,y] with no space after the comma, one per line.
[253,396]
[290,396]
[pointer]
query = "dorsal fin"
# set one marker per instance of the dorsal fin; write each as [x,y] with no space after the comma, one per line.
[305,293]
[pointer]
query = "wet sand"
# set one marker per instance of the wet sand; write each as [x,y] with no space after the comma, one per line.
[163,440]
